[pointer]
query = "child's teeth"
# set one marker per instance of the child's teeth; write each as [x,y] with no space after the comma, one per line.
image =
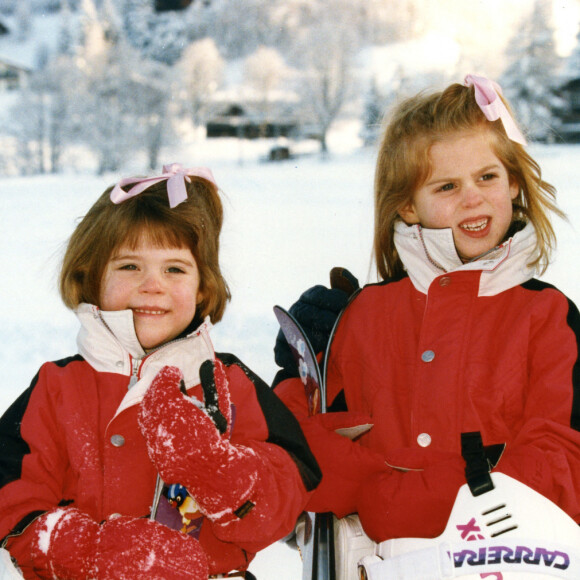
[474,227]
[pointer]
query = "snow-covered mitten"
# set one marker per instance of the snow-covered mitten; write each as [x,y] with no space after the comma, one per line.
[68,544]
[189,443]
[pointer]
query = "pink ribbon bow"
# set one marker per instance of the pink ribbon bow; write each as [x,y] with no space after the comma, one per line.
[174,174]
[487,96]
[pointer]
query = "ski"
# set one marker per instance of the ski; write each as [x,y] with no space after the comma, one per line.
[318,561]
[305,358]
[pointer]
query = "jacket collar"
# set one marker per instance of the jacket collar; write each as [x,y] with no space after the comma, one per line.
[108,342]
[428,254]
[121,324]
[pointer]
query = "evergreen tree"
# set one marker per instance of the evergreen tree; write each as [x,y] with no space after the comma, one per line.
[529,79]
[372,114]
[571,68]
[568,109]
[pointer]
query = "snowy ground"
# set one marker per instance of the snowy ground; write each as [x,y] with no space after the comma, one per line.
[287,224]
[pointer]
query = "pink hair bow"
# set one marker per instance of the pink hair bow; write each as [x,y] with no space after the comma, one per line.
[174,174]
[487,96]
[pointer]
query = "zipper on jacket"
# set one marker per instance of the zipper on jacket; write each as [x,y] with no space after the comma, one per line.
[135,365]
[135,362]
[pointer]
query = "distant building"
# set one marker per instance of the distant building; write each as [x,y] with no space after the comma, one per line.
[12,75]
[243,122]
[165,5]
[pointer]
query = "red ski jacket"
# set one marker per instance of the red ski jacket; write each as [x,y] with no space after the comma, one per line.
[72,439]
[481,347]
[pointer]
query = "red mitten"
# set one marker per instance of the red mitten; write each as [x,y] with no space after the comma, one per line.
[140,548]
[188,448]
[345,464]
[69,544]
[64,545]
[410,504]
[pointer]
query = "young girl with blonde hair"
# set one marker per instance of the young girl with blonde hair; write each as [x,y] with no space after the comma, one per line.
[148,454]
[459,336]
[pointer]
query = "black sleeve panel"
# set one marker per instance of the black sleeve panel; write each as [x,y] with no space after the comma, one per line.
[573,321]
[283,428]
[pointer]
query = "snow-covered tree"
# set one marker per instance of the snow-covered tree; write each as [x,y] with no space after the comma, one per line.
[106,126]
[93,39]
[66,39]
[122,97]
[163,36]
[199,72]
[28,125]
[23,14]
[264,72]
[241,26]
[59,79]
[41,56]
[328,68]
[42,119]
[150,109]
[8,6]
[137,16]
[105,97]
[529,79]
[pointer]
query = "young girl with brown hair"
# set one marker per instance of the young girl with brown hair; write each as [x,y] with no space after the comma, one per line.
[147,401]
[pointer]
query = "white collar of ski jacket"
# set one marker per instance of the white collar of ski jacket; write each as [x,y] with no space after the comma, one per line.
[429,253]
[108,342]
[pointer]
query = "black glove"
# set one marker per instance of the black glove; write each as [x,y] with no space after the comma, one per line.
[316,310]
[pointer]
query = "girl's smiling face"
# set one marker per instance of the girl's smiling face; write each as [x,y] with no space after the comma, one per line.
[468,190]
[160,285]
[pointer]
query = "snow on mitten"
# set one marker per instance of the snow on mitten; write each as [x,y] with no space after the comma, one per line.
[189,443]
[68,544]
[63,545]
[140,548]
